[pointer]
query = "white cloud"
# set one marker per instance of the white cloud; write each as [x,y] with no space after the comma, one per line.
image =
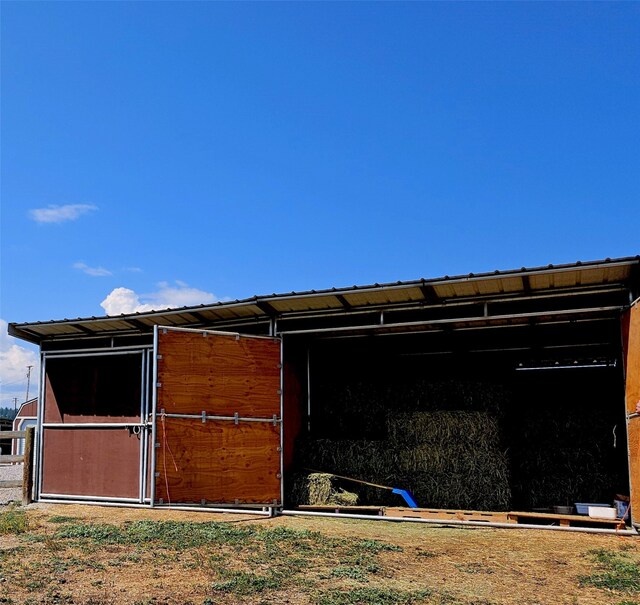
[14,360]
[125,300]
[60,214]
[93,271]
[132,269]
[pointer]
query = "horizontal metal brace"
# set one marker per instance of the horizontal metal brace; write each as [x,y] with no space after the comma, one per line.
[235,418]
[91,425]
[461,320]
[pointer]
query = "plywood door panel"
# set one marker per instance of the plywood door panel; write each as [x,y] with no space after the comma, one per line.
[218,462]
[219,374]
[91,462]
[631,342]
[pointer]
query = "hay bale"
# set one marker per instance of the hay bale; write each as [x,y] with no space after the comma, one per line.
[359,459]
[342,497]
[319,489]
[440,439]
[477,428]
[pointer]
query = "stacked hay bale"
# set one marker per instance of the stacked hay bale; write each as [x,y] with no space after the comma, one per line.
[439,440]
[319,489]
[451,459]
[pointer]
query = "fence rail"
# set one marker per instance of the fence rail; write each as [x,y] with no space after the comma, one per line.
[27,458]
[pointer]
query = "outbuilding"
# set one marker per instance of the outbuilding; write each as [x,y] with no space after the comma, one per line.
[27,416]
[510,390]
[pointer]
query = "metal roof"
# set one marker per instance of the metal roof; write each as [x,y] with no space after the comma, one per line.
[436,291]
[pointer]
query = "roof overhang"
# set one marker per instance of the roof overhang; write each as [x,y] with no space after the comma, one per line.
[620,275]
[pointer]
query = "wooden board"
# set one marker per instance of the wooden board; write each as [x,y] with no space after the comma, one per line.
[446,515]
[219,374]
[353,510]
[631,340]
[218,462]
[91,462]
[562,520]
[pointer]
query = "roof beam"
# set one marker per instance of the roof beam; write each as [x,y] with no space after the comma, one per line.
[82,329]
[24,334]
[344,302]
[200,317]
[266,308]
[526,284]
[138,325]
[429,294]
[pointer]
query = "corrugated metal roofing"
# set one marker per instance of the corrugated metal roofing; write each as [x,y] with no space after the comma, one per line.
[427,291]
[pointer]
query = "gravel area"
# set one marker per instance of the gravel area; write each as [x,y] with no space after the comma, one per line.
[10,472]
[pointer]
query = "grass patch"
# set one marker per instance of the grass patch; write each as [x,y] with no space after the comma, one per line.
[13,521]
[100,534]
[372,596]
[617,571]
[352,573]
[279,557]
[62,519]
[247,583]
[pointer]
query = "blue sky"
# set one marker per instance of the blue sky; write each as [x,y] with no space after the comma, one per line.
[180,153]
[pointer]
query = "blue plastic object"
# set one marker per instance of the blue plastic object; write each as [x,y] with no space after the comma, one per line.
[408,498]
[583,507]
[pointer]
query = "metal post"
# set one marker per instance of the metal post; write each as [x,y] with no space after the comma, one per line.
[40,420]
[154,404]
[143,359]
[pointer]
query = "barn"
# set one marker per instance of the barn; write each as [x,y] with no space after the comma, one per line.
[493,392]
[27,416]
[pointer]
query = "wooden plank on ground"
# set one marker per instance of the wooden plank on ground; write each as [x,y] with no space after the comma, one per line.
[352,510]
[447,515]
[563,520]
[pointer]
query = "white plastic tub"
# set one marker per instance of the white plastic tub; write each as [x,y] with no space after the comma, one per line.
[602,512]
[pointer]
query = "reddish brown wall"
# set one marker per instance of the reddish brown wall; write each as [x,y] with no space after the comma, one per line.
[294,378]
[28,409]
[91,462]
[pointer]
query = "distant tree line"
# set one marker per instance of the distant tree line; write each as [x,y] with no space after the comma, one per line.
[9,413]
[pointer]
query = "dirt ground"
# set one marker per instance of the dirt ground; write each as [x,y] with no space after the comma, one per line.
[417,564]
